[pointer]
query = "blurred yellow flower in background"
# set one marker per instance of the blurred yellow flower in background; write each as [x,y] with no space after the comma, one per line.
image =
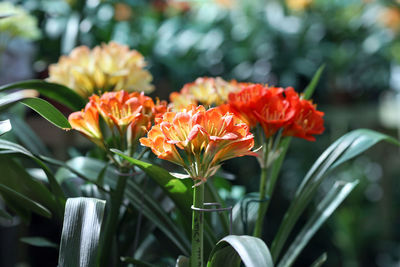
[205,90]
[298,5]
[109,67]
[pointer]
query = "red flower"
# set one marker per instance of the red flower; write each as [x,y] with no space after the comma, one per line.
[307,122]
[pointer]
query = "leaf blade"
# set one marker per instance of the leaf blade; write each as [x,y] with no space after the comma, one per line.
[57,92]
[81,231]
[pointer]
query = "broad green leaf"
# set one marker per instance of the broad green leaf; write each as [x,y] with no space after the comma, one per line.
[7,147]
[325,208]
[5,126]
[344,149]
[38,242]
[47,111]
[16,178]
[8,100]
[182,261]
[137,263]
[232,250]
[321,260]
[23,201]
[81,231]
[309,90]
[57,92]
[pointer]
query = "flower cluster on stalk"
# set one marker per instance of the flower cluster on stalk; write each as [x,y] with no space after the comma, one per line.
[109,67]
[199,140]
[129,114]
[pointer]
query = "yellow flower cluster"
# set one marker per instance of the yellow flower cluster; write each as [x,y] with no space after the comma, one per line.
[205,90]
[109,67]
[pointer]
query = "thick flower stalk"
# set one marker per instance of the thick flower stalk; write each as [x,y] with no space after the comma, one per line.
[199,140]
[109,67]
[206,91]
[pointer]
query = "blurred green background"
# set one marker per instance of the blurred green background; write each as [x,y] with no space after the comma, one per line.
[276,42]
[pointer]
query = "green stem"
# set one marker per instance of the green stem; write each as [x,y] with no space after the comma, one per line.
[261,212]
[110,228]
[196,259]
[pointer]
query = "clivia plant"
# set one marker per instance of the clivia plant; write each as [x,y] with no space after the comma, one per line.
[146,203]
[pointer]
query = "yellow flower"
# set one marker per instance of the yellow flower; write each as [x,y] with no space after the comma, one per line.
[109,67]
[199,140]
[298,5]
[208,91]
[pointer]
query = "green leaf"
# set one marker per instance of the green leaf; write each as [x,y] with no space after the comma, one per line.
[38,242]
[232,249]
[308,92]
[321,260]
[22,201]
[92,168]
[344,149]
[57,92]
[7,147]
[16,178]
[325,208]
[182,261]
[81,231]
[10,99]
[153,211]
[5,126]
[27,137]
[47,111]
[179,191]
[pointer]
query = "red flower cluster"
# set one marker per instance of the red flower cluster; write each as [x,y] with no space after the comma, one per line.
[275,108]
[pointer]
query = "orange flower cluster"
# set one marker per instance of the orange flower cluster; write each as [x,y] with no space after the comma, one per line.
[275,108]
[132,114]
[205,90]
[199,139]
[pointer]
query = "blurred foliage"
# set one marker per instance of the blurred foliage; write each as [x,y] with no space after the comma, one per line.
[275,42]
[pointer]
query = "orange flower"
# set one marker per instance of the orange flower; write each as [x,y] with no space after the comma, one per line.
[199,140]
[119,108]
[87,122]
[307,122]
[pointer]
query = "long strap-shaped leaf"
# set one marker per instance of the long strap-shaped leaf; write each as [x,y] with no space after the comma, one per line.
[345,148]
[326,207]
[10,147]
[57,92]
[233,249]
[81,230]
